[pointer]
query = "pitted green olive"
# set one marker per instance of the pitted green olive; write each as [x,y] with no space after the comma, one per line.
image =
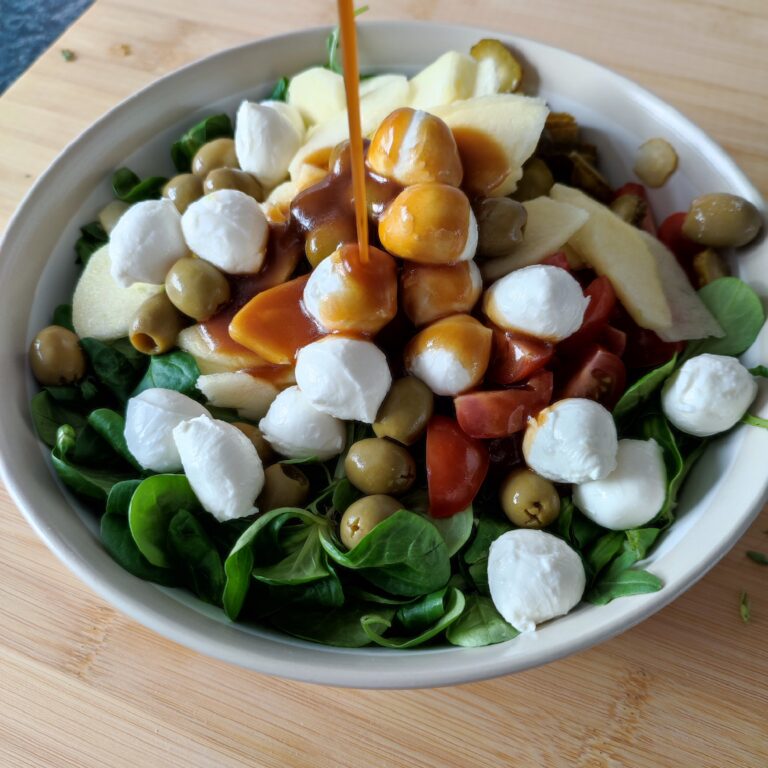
[376,465]
[406,409]
[529,500]
[537,180]
[56,357]
[254,434]
[500,223]
[232,178]
[219,153]
[720,220]
[363,516]
[183,190]
[285,485]
[196,288]
[156,326]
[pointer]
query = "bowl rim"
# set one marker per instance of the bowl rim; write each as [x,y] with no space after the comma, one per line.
[217,644]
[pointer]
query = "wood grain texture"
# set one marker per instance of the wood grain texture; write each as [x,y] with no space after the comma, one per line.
[81,685]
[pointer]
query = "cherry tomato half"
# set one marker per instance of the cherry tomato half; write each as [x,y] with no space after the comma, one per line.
[516,356]
[602,301]
[644,348]
[503,412]
[671,234]
[456,467]
[557,259]
[613,340]
[632,188]
[601,376]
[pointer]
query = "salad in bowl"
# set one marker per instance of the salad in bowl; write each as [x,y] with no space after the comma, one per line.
[451,438]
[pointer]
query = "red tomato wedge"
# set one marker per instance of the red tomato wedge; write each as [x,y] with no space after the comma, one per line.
[632,188]
[644,348]
[503,412]
[557,259]
[613,340]
[456,467]
[515,356]
[602,301]
[601,376]
[671,234]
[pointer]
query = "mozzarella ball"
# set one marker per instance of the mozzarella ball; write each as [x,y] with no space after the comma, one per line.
[145,243]
[228,229]
[633,494]
[150,419]
[540,300]
[346,378]
[266,139]
[222,466]
[533,577]
[451,355]
[708,394]
[571,441]
[294,428]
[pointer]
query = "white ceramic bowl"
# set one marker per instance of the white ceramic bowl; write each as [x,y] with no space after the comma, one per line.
[37,271]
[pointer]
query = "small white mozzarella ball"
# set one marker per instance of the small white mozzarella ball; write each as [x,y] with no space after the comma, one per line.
[571,441]
[346,378]
[470,247]
[533,577]
[290,113]
[228,229]
[442,370]
[145,243]
[266,139]
[630,496]
[150,419]
[324,281]
[222,466]
[708,394]
[294,428]
[539,300]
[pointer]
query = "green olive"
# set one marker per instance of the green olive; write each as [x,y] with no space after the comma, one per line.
[500,223]
[537,180]
[377,465]
[325,239]
[630,208]
[219,153]
[285,485]
[721,220]
[183,190]
[529,500]
[232,178]
[196,288]
[156,325]
[254,434]
[406,409]
[363,516]
[56,357]
[508,68]
[708,266]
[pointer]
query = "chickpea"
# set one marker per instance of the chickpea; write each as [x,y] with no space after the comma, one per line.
[56,357]
[529,500]
[156,325]
[500,224]
[363,516]
[285,485]
[232,178]
[405,412]
[254,434]
[377,465]
[720,220]
[196,288]
[219,153]
[183,190]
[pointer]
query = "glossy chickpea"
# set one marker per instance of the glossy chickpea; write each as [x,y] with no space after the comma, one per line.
[430,292]
[156,325]
[413,147]
[183,190]
[232,178]
[430,224]
[219,153]
[363,516]
[405,412]
[56,357]
[529,500]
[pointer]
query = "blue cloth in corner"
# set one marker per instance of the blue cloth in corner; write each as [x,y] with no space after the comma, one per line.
[28,27]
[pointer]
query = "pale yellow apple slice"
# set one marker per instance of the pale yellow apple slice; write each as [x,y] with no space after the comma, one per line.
[371,84]
[447,79]
[318,94]
[101,309]
[250,395]
[513,122]
[615,249]
[548,228]
[212,359]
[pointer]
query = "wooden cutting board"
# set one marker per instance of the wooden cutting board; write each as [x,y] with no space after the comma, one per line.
[81,685]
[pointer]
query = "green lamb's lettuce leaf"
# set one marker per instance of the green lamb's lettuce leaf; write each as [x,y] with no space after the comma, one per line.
[208,129]
[643,389]
[280,91]
[480,624]
[129,188]
[92,237]
[110,426]
[48,415]
[117,367]
[623,584]
[333,42]
[760,370]
[757,557]
[755,421]
[62,316]
[175,370]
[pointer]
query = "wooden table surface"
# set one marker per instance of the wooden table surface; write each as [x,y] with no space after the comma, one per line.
[81,685]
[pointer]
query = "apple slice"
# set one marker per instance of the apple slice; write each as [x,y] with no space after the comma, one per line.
[101,309]
[318,94]
[371,84]
[250,395]
[495,134]
[447,79]
[549,227]
[213,359]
